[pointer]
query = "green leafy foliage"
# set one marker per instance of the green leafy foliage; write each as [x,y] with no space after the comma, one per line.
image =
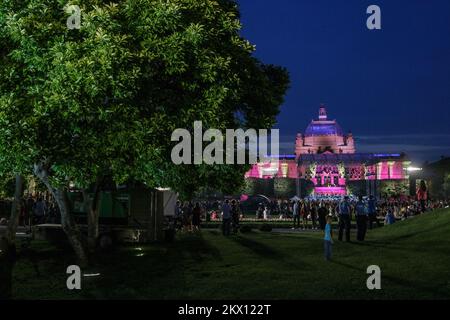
[106,98]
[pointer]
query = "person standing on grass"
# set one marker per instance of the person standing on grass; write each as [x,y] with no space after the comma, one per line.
[328,238]
[285,209]
[178,216]
[196,216]
[344,219]
[235,213]
[226,218]
[296,215]
[313,213]
[361,219]
[304,215]
[240,209]
[372,212]
[390,218]
[322,213]
[422,196]
[187,217]
[40,209]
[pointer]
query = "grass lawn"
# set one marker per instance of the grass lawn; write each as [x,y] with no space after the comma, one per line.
[414,257]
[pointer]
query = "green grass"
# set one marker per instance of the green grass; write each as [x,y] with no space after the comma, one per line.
[414,257]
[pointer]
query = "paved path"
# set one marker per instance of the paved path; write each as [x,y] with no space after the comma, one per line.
[289,230]
[22,232]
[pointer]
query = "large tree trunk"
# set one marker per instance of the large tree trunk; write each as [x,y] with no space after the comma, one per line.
[7,261]
[93,213]
[8,244]
[67,221]
[15,211]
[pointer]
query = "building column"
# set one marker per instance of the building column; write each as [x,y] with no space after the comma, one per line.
[260,170]
[284,169]
[379,170]
[391,169]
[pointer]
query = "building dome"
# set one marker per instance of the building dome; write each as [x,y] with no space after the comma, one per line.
[323,135]
[324,129]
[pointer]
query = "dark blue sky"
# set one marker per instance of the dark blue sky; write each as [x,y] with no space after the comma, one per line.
[390,87]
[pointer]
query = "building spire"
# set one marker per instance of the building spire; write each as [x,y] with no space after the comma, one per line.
[322,112]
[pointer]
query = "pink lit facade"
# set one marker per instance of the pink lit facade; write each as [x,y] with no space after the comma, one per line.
[327,157]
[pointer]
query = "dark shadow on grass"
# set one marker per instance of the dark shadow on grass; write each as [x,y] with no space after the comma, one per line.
[158,271]
[197,247]
[435,291]
[413,234]
[257,247]
[419,248]
[266,252]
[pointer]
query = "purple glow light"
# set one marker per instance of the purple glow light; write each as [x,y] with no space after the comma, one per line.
[318,129]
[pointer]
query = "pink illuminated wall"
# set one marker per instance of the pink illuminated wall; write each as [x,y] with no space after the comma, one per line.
[293,170]
[390,170]
[385,170]
[286,169]
[397,171]
[253,172]
[336,191]
[382,171]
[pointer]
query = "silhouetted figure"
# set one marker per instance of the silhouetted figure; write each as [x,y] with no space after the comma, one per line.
[196,217]
[372,212]
[226,218]
[344,219]
[422,196]
[322,213]
[361,219]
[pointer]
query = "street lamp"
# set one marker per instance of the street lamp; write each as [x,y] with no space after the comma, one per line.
[413,169]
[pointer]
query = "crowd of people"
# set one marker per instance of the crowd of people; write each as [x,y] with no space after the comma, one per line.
[308,212]
[37,210]
[188,216]
[311,213]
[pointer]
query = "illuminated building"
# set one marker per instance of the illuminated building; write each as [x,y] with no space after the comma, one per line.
[326,157]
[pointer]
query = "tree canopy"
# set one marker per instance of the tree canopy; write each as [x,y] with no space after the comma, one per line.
[107,96]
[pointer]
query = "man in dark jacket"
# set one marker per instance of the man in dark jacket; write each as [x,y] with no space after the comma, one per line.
[322,212]
[344,219]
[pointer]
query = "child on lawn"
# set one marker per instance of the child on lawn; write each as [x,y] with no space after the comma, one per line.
[328,239]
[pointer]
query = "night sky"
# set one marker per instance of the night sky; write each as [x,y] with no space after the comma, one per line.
[390,87]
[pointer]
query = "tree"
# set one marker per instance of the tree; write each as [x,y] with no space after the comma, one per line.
[15,210]
[446,186]
[11,186]
[7,241]
[437,174]
[75,104]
